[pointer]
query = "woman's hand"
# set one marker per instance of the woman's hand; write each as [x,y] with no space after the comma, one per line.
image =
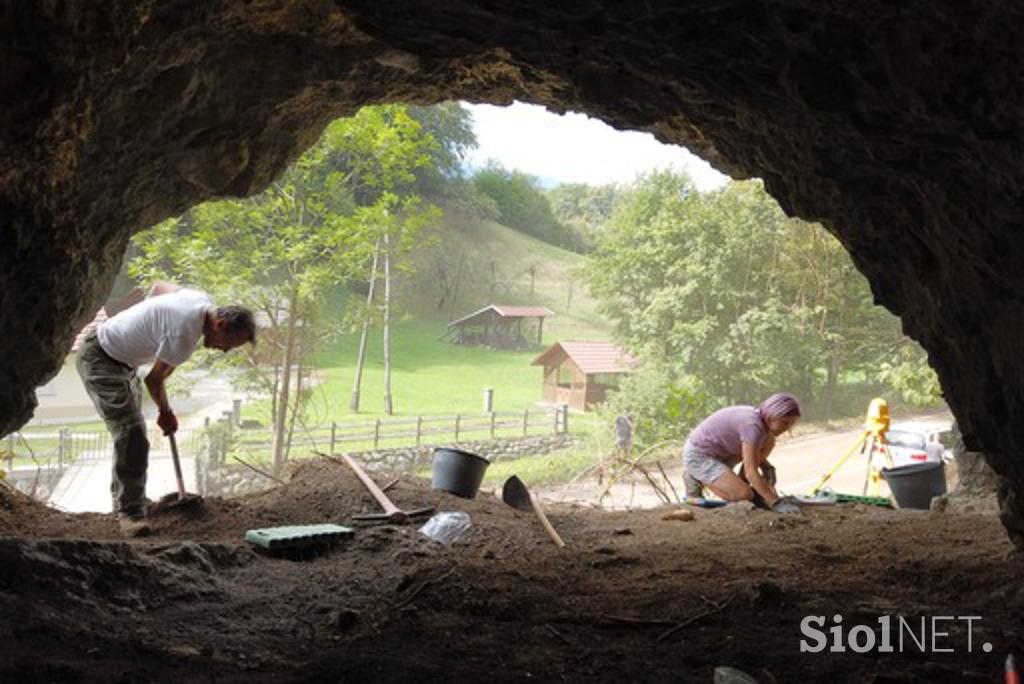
[786,506]
[751,463]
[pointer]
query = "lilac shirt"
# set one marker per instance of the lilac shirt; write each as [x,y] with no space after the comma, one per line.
[722,433]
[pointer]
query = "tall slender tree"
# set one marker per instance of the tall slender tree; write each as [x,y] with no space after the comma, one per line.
[357,381]
[388,407]
[383,148]
[281,252]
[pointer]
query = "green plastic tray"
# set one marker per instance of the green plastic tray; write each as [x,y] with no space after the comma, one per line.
[870,500]
[297,536]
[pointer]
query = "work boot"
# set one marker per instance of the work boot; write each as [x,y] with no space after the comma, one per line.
[134,525]
[693,489]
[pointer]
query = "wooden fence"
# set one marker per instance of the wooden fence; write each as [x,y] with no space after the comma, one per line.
[55,449]
[416,431]
[35,460]
[64,445]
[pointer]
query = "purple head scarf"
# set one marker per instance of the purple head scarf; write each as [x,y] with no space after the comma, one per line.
[779,405]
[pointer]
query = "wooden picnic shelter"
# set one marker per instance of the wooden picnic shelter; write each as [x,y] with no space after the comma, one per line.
[580,373]
[500,325]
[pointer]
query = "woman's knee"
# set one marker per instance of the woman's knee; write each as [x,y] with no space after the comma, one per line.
[745,493]
[731,488]
[737,491]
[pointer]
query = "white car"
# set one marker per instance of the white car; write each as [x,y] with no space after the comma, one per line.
[912,443]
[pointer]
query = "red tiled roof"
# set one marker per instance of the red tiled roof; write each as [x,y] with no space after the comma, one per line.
[506,311]
[592,356]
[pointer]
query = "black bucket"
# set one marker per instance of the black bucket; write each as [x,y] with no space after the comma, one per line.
[913,486]
[458,472]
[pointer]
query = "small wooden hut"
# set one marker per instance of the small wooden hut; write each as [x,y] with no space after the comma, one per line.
[581,373]
[501,325]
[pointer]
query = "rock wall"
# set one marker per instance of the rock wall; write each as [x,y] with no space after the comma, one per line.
[236,480]
[895,124]
[977,485]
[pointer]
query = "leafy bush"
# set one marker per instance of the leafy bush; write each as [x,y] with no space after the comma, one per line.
[521,204]
[663,406]
[911,376]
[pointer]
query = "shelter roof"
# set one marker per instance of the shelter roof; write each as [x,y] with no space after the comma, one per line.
[507,311]
[591,356]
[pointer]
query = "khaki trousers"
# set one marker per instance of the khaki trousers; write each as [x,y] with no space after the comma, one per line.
[116,392]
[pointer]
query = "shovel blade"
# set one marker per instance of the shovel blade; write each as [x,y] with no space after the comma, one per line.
[175,501]
[515,494]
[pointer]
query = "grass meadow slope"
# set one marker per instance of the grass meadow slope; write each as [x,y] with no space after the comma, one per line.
[430,375]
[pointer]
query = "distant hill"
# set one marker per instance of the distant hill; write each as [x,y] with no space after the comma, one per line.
[433,376]
[492,263]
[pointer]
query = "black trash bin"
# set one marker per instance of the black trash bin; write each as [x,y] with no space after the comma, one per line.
[913,486]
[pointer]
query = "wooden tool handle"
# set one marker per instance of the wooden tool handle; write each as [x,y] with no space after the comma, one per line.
[177,466]
[546,524]
[370,485]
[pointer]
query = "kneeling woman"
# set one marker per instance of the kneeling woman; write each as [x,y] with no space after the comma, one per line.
[738,434]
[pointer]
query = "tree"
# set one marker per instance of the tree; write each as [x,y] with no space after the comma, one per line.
[910,375]
[381,149]
[450,125]
[357,380]
[583,210]
[521,204]
[837,309]
[282,251]
[279,252]
[725,288]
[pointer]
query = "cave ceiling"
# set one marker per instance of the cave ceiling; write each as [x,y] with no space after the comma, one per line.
[897,125]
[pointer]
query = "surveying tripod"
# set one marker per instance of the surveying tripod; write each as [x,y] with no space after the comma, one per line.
[876,424]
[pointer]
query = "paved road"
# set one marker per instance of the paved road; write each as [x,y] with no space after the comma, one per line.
[85,485]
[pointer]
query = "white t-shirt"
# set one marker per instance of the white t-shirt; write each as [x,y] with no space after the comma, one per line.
[166,327]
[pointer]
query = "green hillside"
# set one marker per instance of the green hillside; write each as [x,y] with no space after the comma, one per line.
[494,264]
[431,375]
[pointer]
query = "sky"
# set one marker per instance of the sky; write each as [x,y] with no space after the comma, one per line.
[574,148]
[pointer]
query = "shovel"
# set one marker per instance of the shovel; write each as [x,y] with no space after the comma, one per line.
[516,495]
[179,499]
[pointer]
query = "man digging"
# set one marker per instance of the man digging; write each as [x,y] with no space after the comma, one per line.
[163,330]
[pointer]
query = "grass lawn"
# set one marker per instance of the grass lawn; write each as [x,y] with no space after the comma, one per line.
[432,376]
[78,426]
[428,376]
[556,467]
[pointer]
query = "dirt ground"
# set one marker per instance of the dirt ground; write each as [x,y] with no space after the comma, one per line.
[631,597]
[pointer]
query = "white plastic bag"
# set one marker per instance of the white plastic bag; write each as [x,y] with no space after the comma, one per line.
[446,527]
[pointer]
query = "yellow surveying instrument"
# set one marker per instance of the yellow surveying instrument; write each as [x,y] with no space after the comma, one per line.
[876,424]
